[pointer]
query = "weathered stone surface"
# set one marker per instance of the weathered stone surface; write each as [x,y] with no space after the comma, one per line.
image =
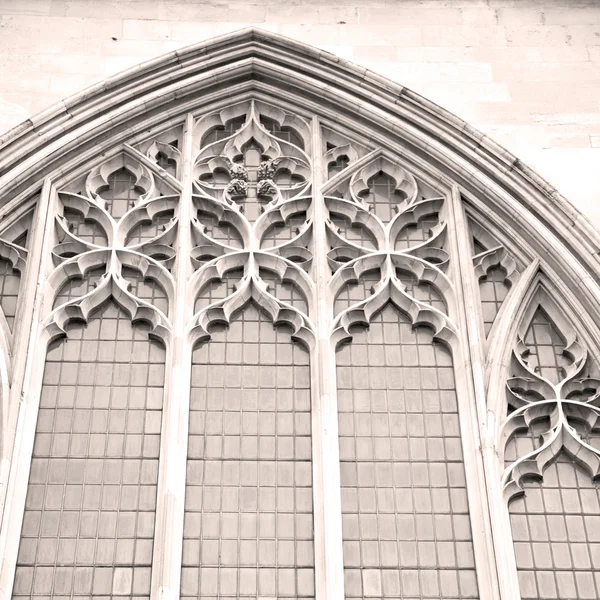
[54,48]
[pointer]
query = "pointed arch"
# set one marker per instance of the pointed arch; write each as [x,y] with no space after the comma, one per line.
[331,144]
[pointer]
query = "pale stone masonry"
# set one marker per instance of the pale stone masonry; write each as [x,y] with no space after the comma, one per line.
[526,72]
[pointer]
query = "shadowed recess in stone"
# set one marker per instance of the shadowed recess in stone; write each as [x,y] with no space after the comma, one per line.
[405,524]
[248,509]
[10,281]
[89,516]
[493,291]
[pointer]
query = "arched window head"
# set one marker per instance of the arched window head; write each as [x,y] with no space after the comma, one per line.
[273,326]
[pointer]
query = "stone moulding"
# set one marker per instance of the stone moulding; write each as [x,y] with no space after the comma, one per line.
[258,59]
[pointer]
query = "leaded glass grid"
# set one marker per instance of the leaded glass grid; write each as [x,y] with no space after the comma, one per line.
[89,516]
[546,347]
[248,516]
[405,515]
[10,281]
[493,291]
[556,528]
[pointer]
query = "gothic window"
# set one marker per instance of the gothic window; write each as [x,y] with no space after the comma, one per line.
[276,328]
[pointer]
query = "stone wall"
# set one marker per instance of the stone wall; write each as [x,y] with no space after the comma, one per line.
[527,72]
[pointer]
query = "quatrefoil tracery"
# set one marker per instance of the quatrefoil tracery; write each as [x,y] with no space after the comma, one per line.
[367,232]
[558,404]
[252,215]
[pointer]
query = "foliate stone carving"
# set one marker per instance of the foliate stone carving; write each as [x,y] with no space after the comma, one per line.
[267,169]
[251,187]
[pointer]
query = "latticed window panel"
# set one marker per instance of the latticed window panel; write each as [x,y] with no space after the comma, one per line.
[220,132]
[416,234]
[285,133]
[248,509]
[492,291]
[248,517]
[220,231]
[283,232]
[147,230]
[354,233]
[10,281]
[218,290]
[146,289]
[382,197]
[79,286]
[546,346]
[556,528]
[353,293]
[423,291]
[286,291]
[121,194]
[85,229]
[89,516]
[406,526]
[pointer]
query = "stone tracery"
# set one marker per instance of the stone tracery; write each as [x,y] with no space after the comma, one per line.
[326,227]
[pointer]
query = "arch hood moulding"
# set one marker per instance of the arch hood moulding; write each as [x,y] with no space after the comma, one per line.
[256,63]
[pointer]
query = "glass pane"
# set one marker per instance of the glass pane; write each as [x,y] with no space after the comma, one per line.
[248,508]
[556,529]
[406,526]
[493,290]
[121,193]
[89,516]
[10,281]
[546,346]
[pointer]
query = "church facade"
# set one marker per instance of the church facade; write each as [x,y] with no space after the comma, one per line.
[275,327]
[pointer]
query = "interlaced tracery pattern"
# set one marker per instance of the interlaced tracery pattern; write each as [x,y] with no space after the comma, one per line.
[375,216]
[552,458]
[284,264]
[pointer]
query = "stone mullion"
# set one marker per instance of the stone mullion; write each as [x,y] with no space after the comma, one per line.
[26,386]
[168,538]
[329,566]
[470,362]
